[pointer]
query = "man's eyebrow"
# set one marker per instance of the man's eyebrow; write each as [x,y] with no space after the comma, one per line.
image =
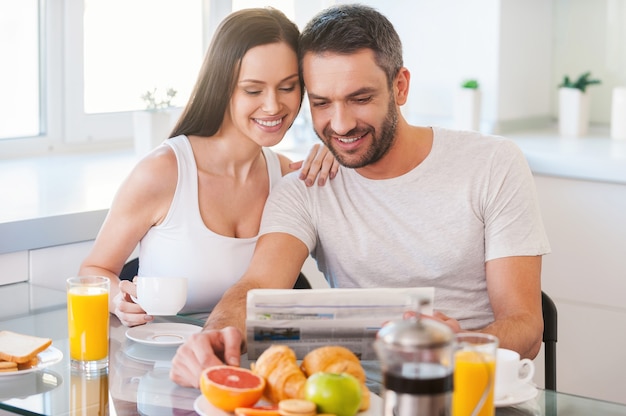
[360,91]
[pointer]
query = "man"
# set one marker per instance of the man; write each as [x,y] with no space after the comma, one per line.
[411,206]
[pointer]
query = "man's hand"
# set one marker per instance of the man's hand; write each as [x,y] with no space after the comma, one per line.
[206,349]
[452,323]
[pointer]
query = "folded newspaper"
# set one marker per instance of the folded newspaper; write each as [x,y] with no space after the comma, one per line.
[311,318]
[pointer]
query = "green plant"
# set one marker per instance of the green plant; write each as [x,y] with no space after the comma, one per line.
[471,84]
[155,102]
[581,83]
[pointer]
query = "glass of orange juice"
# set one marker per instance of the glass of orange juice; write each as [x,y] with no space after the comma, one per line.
[474,374]
[88,323]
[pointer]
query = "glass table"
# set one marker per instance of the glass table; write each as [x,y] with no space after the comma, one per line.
[138,379]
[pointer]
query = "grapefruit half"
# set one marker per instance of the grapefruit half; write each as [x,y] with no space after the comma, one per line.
[228,388]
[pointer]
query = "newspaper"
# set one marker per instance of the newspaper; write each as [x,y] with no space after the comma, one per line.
[311,318]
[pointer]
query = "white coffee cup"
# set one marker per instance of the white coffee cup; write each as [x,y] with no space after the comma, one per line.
[511,372]
[161,295]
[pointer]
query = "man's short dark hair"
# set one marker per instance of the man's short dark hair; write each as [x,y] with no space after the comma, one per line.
[349,28]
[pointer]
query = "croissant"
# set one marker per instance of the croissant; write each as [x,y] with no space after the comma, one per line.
[284,379]
[337,359]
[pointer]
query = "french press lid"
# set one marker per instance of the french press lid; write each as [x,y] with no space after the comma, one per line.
[416,332]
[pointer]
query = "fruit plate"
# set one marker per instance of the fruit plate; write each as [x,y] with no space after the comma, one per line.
[202,406]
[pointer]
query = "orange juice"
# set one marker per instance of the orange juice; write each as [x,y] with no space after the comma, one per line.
[88,323]
[473,371]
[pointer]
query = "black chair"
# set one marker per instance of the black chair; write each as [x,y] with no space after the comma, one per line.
[130,269]
[302,282]
[549,340]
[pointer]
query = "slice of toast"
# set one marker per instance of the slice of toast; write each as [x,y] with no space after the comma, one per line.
[20,348]
[6,366]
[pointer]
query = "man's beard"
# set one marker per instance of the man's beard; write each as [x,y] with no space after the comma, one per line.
[381,143]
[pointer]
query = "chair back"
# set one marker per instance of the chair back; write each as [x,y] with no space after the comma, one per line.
[130,269]
[550,320]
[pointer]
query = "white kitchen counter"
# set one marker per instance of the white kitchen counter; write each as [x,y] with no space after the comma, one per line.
[595,157]
[53,200]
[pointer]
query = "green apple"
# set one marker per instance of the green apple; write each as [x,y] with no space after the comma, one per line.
[339,394]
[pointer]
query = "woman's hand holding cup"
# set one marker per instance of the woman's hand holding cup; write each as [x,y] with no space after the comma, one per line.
[138,301]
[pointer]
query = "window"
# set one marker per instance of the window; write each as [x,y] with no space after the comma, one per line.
[116,50]
[19,73]
[132,46]
[77,68]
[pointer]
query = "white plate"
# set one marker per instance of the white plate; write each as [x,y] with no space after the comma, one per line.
[163,334]
[22,386]
[202,406]
[47,357]
[524,393]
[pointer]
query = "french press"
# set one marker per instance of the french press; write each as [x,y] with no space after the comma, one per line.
[417,366]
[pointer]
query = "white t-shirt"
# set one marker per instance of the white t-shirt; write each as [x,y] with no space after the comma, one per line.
[471,200]
[183,246]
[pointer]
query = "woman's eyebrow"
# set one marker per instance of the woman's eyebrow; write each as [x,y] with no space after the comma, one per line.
[257,81]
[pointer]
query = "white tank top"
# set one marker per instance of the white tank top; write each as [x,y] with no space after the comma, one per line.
[182,245]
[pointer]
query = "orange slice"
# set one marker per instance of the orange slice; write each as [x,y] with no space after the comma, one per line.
[228,388]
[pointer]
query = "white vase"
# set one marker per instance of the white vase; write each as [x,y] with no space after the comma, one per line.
[150,128]
[573,112]
[467,103]
[618,114]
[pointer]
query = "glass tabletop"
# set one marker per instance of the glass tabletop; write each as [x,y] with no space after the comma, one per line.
[138,379]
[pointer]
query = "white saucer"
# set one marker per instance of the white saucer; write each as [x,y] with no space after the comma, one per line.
[149,353]
[202,406]
[162,334]
[522,394]
[47,357]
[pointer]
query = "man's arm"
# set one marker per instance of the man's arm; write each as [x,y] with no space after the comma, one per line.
[514,286]
[276,263]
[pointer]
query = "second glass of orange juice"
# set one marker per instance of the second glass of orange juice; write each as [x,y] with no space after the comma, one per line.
[474,375]
[88,323]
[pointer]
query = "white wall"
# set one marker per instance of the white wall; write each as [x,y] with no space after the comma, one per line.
[591,36]
[519,50]
[445,45]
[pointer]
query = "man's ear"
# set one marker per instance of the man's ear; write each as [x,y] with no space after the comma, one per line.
[401,86]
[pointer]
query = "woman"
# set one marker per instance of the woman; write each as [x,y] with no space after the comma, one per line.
[194,203]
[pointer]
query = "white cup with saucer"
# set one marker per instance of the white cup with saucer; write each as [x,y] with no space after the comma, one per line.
[161,295]
[512,373]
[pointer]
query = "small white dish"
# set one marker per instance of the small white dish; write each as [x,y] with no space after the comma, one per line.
[149,353]
[524,393]
[162,334]
[47,357]
[202,407]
